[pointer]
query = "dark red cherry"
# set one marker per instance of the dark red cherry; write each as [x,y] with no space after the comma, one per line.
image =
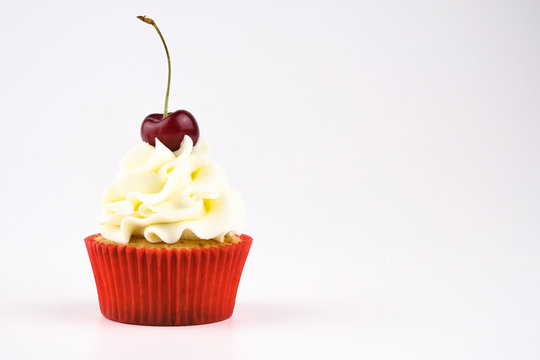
[170,130]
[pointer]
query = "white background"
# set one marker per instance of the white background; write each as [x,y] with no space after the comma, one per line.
[388,153]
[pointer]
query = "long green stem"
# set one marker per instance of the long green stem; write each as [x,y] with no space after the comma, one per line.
[152,22]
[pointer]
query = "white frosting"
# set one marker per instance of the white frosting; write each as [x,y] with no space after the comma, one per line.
[166,196]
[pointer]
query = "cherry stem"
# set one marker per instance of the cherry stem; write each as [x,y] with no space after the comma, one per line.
[152,22]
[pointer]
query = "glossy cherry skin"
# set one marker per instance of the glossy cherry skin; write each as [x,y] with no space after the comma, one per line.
[170,130]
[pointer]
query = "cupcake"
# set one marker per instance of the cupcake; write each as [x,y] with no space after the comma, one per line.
[171,247]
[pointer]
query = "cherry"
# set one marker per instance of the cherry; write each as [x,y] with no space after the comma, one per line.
[170,130]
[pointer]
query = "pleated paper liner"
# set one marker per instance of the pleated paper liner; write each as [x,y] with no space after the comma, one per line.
[149,286]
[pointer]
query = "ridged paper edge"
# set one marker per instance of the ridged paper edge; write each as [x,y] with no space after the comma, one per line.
[167,286]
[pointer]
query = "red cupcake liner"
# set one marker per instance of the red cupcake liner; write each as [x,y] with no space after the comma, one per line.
[167,286]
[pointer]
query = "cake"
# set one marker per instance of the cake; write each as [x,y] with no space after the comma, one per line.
[171,247]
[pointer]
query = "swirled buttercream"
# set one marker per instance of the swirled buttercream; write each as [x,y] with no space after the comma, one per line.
[166,196]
